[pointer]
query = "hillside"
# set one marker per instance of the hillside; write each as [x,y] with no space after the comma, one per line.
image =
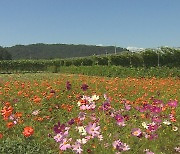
[51,51]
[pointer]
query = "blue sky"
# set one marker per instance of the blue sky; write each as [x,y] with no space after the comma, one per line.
[139,23]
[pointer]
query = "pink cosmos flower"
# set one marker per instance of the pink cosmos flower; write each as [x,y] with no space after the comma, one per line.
[177,149]
[155,109]
[156,120]
[100,137]
[60,136]
[136,132]
[77,148]
[119,120]
[82,116]
[152,127]
[106,106]
[84,107]
[127,106]
[92,129]
[35,112]
[88,137]
[148,151]
[118,145]
[153,136]
[65,144]
[173,103]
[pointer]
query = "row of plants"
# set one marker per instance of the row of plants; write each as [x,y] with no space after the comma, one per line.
[11,66]
[149,58]
[123,72]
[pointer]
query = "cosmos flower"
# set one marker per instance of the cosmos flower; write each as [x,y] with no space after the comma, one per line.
[155,109]
[1,135]
[60,136]
[84,107]
[152,127]
[52,91]
[10,124]
[173,103]
[148,151]
[106,106]
[136,132]
[82,116]
[120,120]
[59,128]
[127,106]
[82,141]
[84,87]
[177,149]
[144,124]
[118,145]
[82,130]
[92,129]
[153,136]
[28,131]
[156,120]
[174,128]
[71,122]
[95,98]
[65,144]
[68,85]
[166,122]
[100,137]
[77,147]
[35,112]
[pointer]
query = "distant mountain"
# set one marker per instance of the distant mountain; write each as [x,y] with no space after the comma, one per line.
[51,51]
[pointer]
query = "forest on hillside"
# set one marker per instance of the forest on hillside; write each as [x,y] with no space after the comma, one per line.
[52,51]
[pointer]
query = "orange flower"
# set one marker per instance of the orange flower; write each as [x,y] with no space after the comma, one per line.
[18,115]
[6,112]
[142,116]
[10,124]
[77,120]
[37,99]
[28,131]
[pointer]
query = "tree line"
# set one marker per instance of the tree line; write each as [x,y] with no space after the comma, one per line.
[52,51]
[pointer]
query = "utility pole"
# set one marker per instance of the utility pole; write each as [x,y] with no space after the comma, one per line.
[115,49]
[158,56]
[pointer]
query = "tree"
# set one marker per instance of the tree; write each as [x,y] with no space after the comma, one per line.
[150,58]
[4,54]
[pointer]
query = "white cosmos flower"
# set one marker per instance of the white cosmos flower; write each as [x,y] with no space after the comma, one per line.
[82,130]
[166,122]
[175,128]
[95,97]
[79,103]
[82,141]
[144,124]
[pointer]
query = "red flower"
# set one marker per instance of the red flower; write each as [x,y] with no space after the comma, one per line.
[1,135]
[28,131]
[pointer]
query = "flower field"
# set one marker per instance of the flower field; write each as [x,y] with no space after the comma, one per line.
[58,113]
